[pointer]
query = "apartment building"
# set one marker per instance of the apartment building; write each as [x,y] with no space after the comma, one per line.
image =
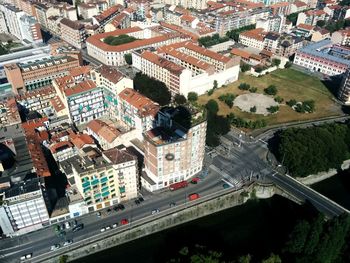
[12,16]
[87,10]
[185,67]
[73,33]
[30,29]
[234,19]
[43,11]
[114,55]
[106,16]
[272,23]
[137,111]
[35,74]
[281,8]
[311,17]
[195,4]
[324,57]
[344,89]
[23,208]
[9,114]
[253,38]
[104,179]
[341,37]
[3,26]
[84,100]
[173,153]
[121,21]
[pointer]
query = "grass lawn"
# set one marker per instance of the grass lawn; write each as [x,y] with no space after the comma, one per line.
[291,84]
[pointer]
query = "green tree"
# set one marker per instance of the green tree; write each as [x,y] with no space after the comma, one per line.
[272,259]
[180,99]
[244,86]
[63,259]
[291,102]
[278,99]
[288,64]
[271,90]
[253,109]
[146,86]
[276,62]
[259,69]
[192,96]
[210,92]
[128,58]
[253,89]
[246,258]
[314,235]
[273,109]
[212,106]
[298,237]
[321,23]
[245,67]
[215,85]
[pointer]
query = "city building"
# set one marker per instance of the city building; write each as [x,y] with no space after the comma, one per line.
[324,57]
[341,37]
[87,10]
[43,11]
[137,111]
[35,74]
[84,100]
[311,17]
[9,114]
[3,26]
[30,30]
[12,16]
[114,55]
[73,33]
[344,89]
[186,67]
[174,150]
[23,208]
[103,179]
[106,16]
[253,38]
[272,23]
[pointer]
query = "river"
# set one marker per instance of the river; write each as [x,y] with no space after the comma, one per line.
[258,227]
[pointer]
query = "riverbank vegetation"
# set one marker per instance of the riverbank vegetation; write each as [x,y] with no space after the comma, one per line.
[312,150]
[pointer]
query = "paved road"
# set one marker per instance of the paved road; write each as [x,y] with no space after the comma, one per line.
[247,156]
[39,242]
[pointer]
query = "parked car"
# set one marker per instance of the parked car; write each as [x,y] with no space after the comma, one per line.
[98,214]
[103,229]
[121,206]
[141,199]
[108,227]
[192,197]
[55,247]
[78,227]
[67,225]
[27,256]
[124,221]
[137,201]
[225,186]
[68,242]
[172,204]
[109,211]
[155,211]
[195,180]
[114,225]
[116,208]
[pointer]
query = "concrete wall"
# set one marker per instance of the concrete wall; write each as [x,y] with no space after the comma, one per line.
[166,219]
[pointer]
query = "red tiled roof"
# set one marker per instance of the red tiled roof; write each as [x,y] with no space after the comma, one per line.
[83,86]
[305,27]
[103,130]
[206,52]
[257,34]
[164,63]
[240,52]
[144,105]
[63,144]
[105,14]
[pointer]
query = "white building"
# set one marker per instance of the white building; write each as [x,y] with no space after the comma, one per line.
[30,29]
[272,23]
[12,16]
[23,208]
[3,26]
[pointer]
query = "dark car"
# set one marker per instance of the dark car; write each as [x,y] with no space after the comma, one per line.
[78,227]
[116,208]
[121,206]
[141,199]
[109,211]
[137,201]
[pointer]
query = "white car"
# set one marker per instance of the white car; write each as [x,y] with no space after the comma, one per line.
[67,225]
[155,211]
[55,247]
[108,227]
[68,242]
[24,257]
[103,229]
[114,225]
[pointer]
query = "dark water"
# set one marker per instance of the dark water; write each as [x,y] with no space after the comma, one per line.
[336,188]
[258,227]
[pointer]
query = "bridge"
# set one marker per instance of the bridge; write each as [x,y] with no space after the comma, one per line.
[244,157]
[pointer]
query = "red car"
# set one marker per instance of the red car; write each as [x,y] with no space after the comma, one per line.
[195,180]
[124,221]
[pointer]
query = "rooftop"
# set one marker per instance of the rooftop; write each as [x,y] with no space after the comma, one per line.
[326,50]
[103,130]
[23,187]
[110,73]
[72,24]
[163,63]
[81,87]
[116,156]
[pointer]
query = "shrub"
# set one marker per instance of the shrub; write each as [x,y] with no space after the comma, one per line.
[291,102]
[180,99]
[244,86]
[253,109]
[245,67]
[276,62]
[253,89]
[212,106]
[192,96]
[210,92]
[273,109]
[271,90]
[288,64]
[279,99]
[228,98]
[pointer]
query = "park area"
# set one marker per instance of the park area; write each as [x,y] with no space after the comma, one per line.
[290,84]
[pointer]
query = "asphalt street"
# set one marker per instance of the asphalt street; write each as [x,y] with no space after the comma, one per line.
[39,242]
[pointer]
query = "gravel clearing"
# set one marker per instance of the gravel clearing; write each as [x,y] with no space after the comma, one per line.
[260,101]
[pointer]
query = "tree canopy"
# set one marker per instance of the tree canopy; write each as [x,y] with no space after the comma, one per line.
[152,88]
[121,39]
[315,149]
